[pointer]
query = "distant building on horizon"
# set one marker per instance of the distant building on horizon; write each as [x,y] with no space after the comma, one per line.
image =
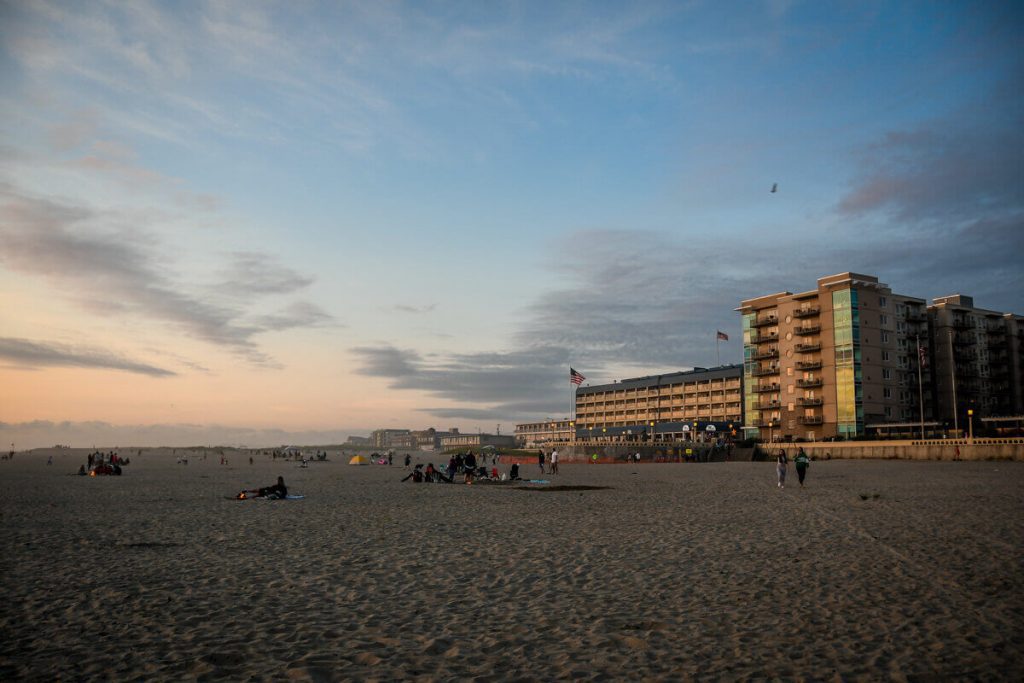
[383,438]
[422,440]
[538,434]
[457,440]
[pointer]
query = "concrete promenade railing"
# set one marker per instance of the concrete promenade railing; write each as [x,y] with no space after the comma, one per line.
[937,449]
[909,449]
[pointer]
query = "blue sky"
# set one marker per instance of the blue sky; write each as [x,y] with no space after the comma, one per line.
[322,218]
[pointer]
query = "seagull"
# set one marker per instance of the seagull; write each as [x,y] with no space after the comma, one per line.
[775,187]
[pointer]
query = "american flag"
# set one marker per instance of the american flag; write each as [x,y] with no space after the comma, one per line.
[722,335]
[923,355]
[575,377]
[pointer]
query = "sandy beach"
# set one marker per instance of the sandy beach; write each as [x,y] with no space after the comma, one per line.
[877,570]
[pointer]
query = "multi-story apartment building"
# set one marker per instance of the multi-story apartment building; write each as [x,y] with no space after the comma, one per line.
[834,361]
[673,406]
[456,440]
[535,434]
[979,357]
[383,438]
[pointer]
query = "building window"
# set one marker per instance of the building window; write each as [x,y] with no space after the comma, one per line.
[883,320]
[886,373]
[881,302]
[885,337]
[885,356]
[886,392]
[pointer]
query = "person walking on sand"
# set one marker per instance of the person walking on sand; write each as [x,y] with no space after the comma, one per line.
[780,467]
[802,462]
[540,461]
[554,461]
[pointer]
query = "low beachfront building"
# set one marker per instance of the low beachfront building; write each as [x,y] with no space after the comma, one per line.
[539,434]
[698,404]
[457,441]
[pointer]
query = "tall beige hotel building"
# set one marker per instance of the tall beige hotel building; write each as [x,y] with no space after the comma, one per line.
[851,358]
[831,361]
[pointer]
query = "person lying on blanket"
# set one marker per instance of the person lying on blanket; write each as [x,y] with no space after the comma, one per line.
[278,490]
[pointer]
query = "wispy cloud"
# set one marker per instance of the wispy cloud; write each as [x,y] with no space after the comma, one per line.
[954,189]
[116,270]
[32,354]
[408,308]
[253,273]
[496,384]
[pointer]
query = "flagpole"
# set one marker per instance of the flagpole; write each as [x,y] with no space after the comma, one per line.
[718,356]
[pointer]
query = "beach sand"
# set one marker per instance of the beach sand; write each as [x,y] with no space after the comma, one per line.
[878,569]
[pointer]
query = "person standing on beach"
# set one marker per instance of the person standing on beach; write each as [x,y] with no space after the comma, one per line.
[540,461]
[802,462]
[780,467]
[554,461]
[408,459]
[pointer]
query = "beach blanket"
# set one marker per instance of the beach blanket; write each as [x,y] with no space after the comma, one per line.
[252,496]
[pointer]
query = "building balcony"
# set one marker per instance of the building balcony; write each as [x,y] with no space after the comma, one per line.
[770,353]
[767,320]
[808,364]
[767,423]
[962,324]
[764,338]
[765,372]
[811,420]
[807,348]
[996,330]
[807,329]
[806,312]
[810,382]
[805,401]
[764,388]
[915,318]
[769,405]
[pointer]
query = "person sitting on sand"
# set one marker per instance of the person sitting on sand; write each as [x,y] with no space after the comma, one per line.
[514,472]
[416,475]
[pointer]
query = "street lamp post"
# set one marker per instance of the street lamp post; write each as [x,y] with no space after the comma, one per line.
[970,417]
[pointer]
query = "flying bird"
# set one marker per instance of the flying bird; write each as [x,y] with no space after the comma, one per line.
[775,187]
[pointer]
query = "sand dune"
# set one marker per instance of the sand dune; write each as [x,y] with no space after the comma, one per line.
[876,570]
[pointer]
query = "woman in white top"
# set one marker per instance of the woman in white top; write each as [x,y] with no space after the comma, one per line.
[780,466]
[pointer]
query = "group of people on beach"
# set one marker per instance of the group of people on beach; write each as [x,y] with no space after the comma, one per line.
[102,464]
[802,462]
[459,464]
[552,461]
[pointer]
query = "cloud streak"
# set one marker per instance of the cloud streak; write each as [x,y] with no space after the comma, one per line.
[115,270]
[46,433]
[31,354]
